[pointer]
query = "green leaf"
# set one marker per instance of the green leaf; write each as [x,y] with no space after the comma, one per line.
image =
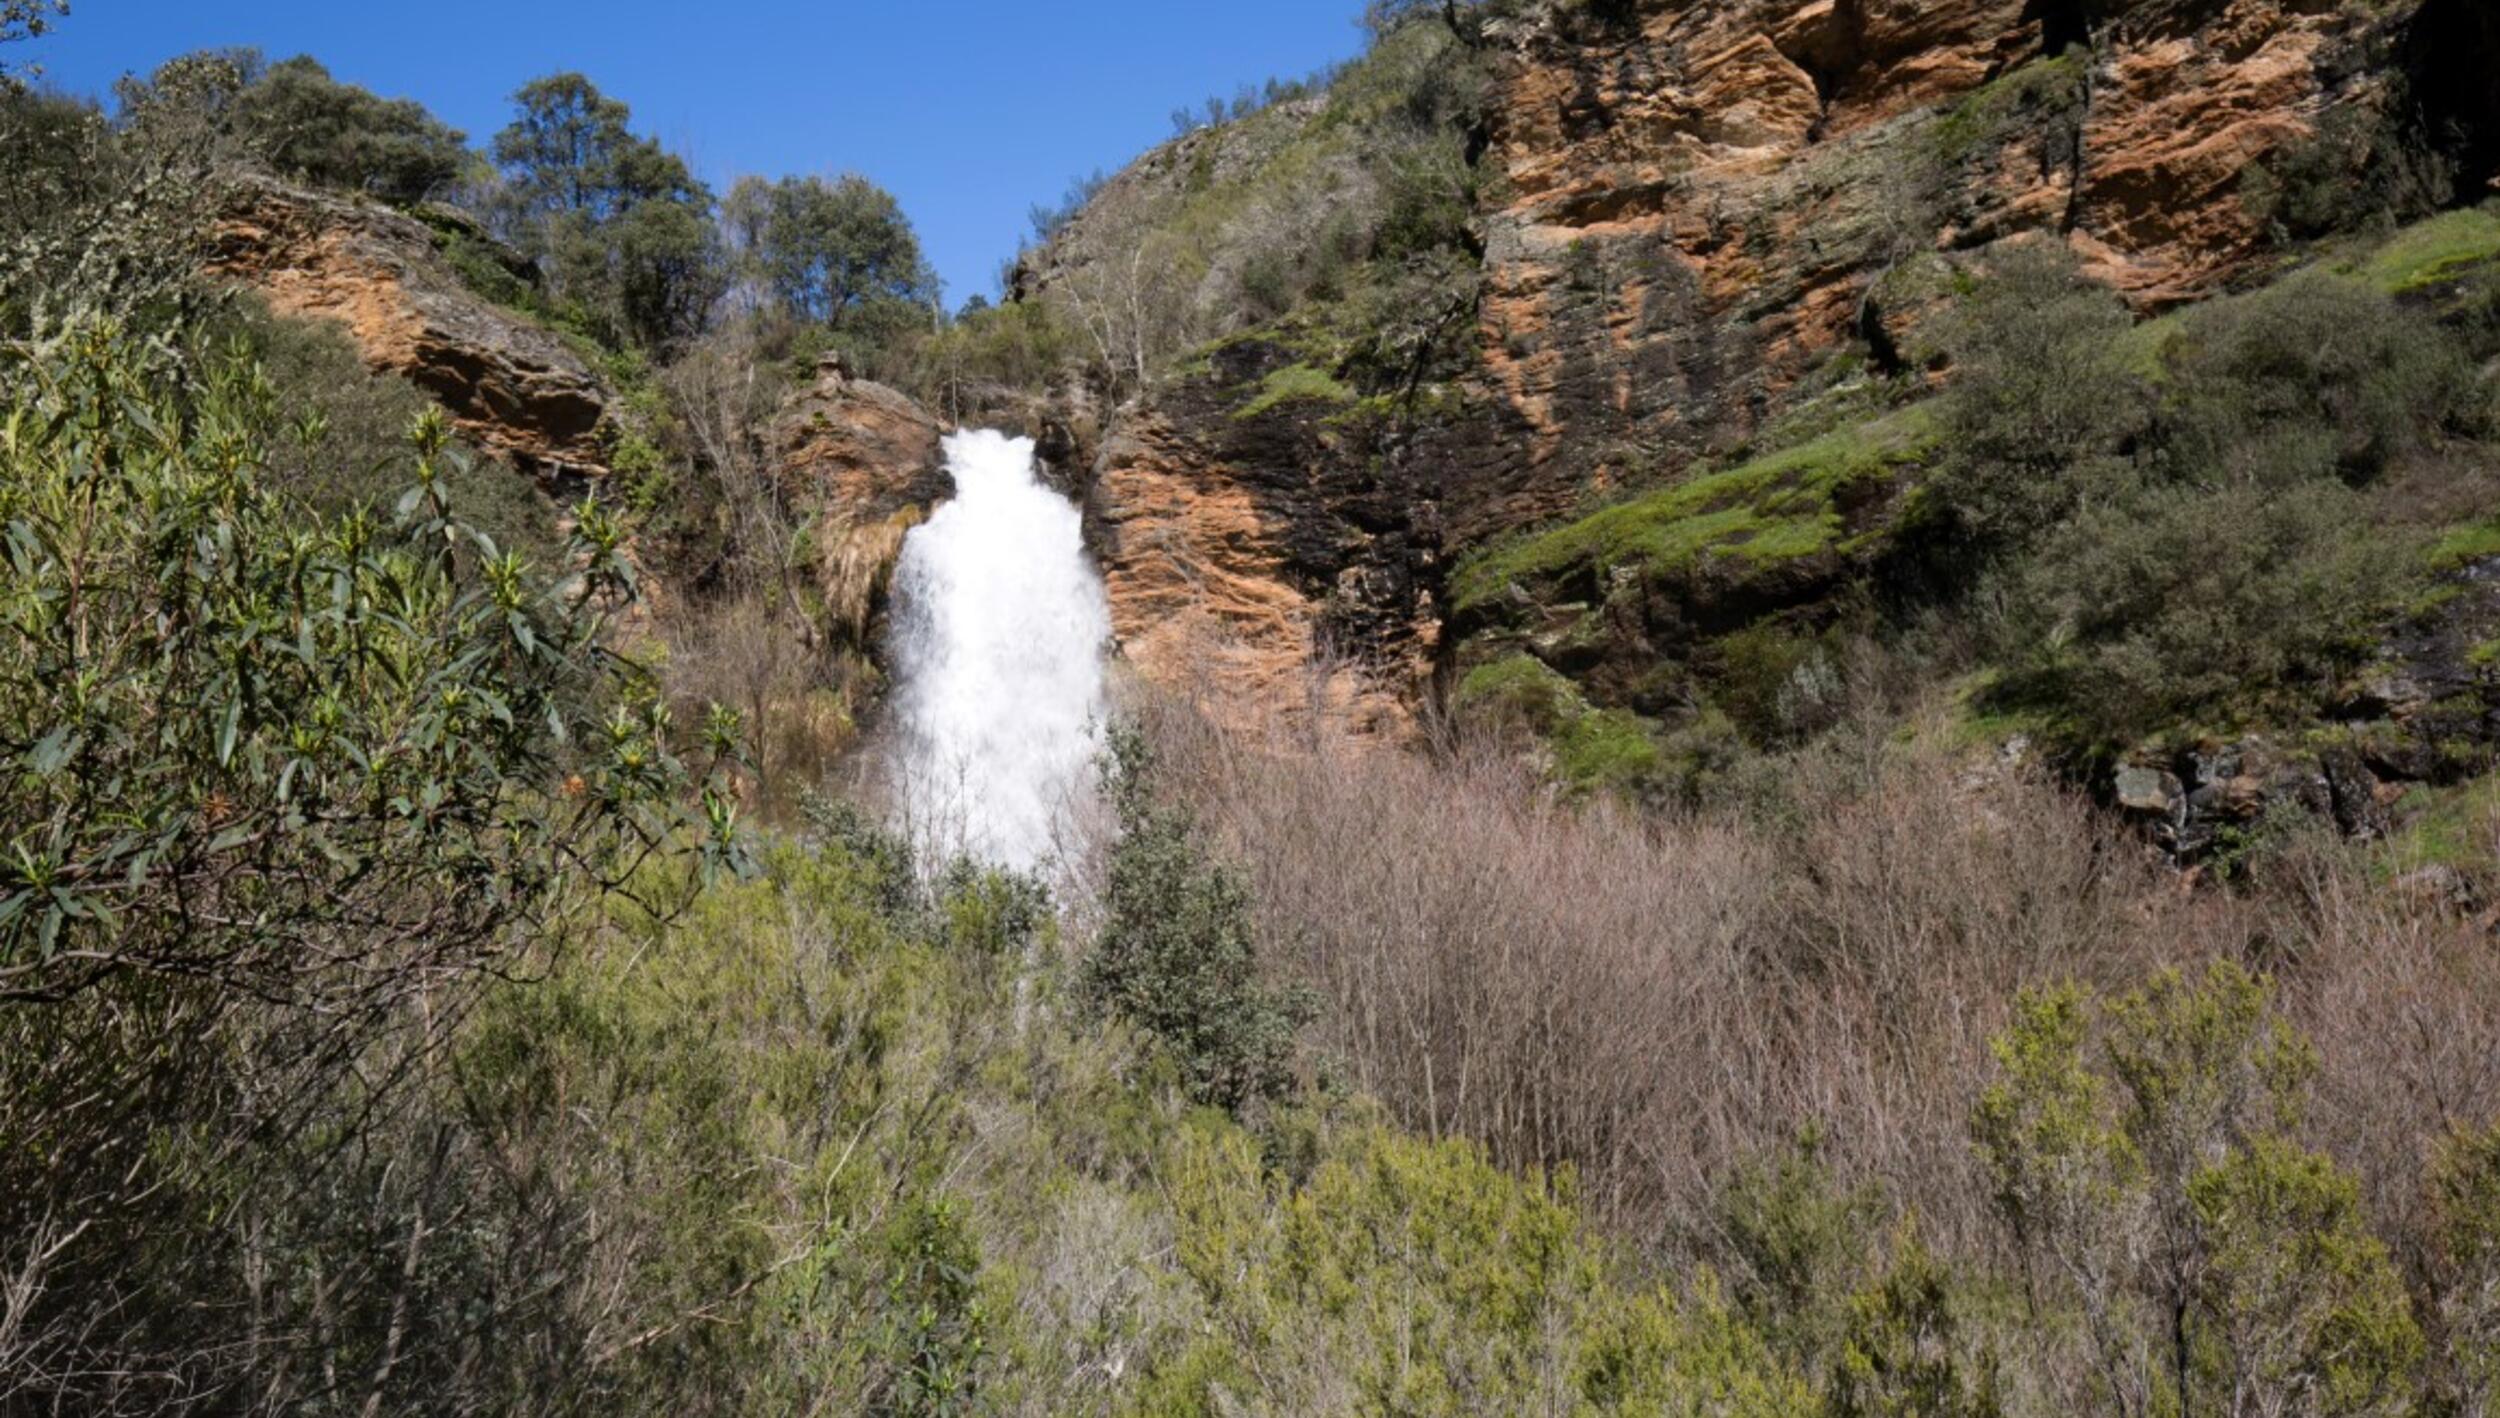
[53,752]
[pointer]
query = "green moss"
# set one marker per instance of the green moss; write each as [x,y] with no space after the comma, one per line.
[1776,508]
[2039,92]
[2460,545]
[1295,383]
[2142,350]
[1521,685]
[2454,827]
[1592,748]
[1606,748]
[1978,718]
[2429,252]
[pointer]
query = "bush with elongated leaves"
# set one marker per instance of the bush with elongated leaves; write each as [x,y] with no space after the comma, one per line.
[318,762]
[281,794]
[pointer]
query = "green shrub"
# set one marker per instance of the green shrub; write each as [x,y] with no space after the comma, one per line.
[2157,1190]
[2041,404]
[2183,606]
[2317,376]
[283,794]
[2465,1200]
[2361,167]
[342,441]
[1908,1350]
[2304,1303]
[1176,955]
[359,721]
[1797,1243]
[936,1328]
[1408,1276]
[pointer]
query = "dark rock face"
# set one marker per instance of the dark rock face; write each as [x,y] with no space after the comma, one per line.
[1243,546]
[2427,712]
[512,386]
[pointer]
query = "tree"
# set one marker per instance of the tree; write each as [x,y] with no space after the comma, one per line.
[105,220]
[310,126]
[26,19]
[620,225]
[821,251]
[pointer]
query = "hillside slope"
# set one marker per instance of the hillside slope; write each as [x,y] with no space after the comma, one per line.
[1711,254]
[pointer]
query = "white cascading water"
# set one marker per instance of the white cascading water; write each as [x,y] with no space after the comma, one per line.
[999,630]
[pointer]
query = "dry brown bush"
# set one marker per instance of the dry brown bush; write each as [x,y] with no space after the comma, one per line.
[1658,1002]
[798,697]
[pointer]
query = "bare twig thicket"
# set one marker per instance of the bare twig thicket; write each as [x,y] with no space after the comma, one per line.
[1659,1003]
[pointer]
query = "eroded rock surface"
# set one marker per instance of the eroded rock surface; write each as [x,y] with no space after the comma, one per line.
[512,386]
[869,462]
[1265,563]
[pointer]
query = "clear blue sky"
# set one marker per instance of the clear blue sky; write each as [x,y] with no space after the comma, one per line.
[970,111]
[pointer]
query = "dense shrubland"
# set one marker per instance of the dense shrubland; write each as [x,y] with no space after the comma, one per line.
[2222,528]
[391,1030]
[1964,1103]
[397,1018]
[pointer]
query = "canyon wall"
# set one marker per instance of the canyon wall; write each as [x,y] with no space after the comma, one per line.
[1696,220]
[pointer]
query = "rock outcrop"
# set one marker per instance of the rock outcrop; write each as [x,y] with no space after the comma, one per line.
[512,387]
[1702,202]
[1263,559]
[1698,216]
[867,462]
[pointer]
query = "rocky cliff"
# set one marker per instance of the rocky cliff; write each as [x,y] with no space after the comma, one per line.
[1702,225]
[512,386]
[863,463]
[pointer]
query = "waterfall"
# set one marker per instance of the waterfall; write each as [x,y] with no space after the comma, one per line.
[999,629]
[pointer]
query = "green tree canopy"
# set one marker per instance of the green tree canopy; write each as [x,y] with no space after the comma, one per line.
[311,126]
[620,224]
[822,251]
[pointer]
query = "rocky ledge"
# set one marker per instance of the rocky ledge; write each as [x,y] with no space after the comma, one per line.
[511,385]
[867,463]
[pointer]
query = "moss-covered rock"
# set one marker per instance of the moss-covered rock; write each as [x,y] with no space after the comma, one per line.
[1802,502]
